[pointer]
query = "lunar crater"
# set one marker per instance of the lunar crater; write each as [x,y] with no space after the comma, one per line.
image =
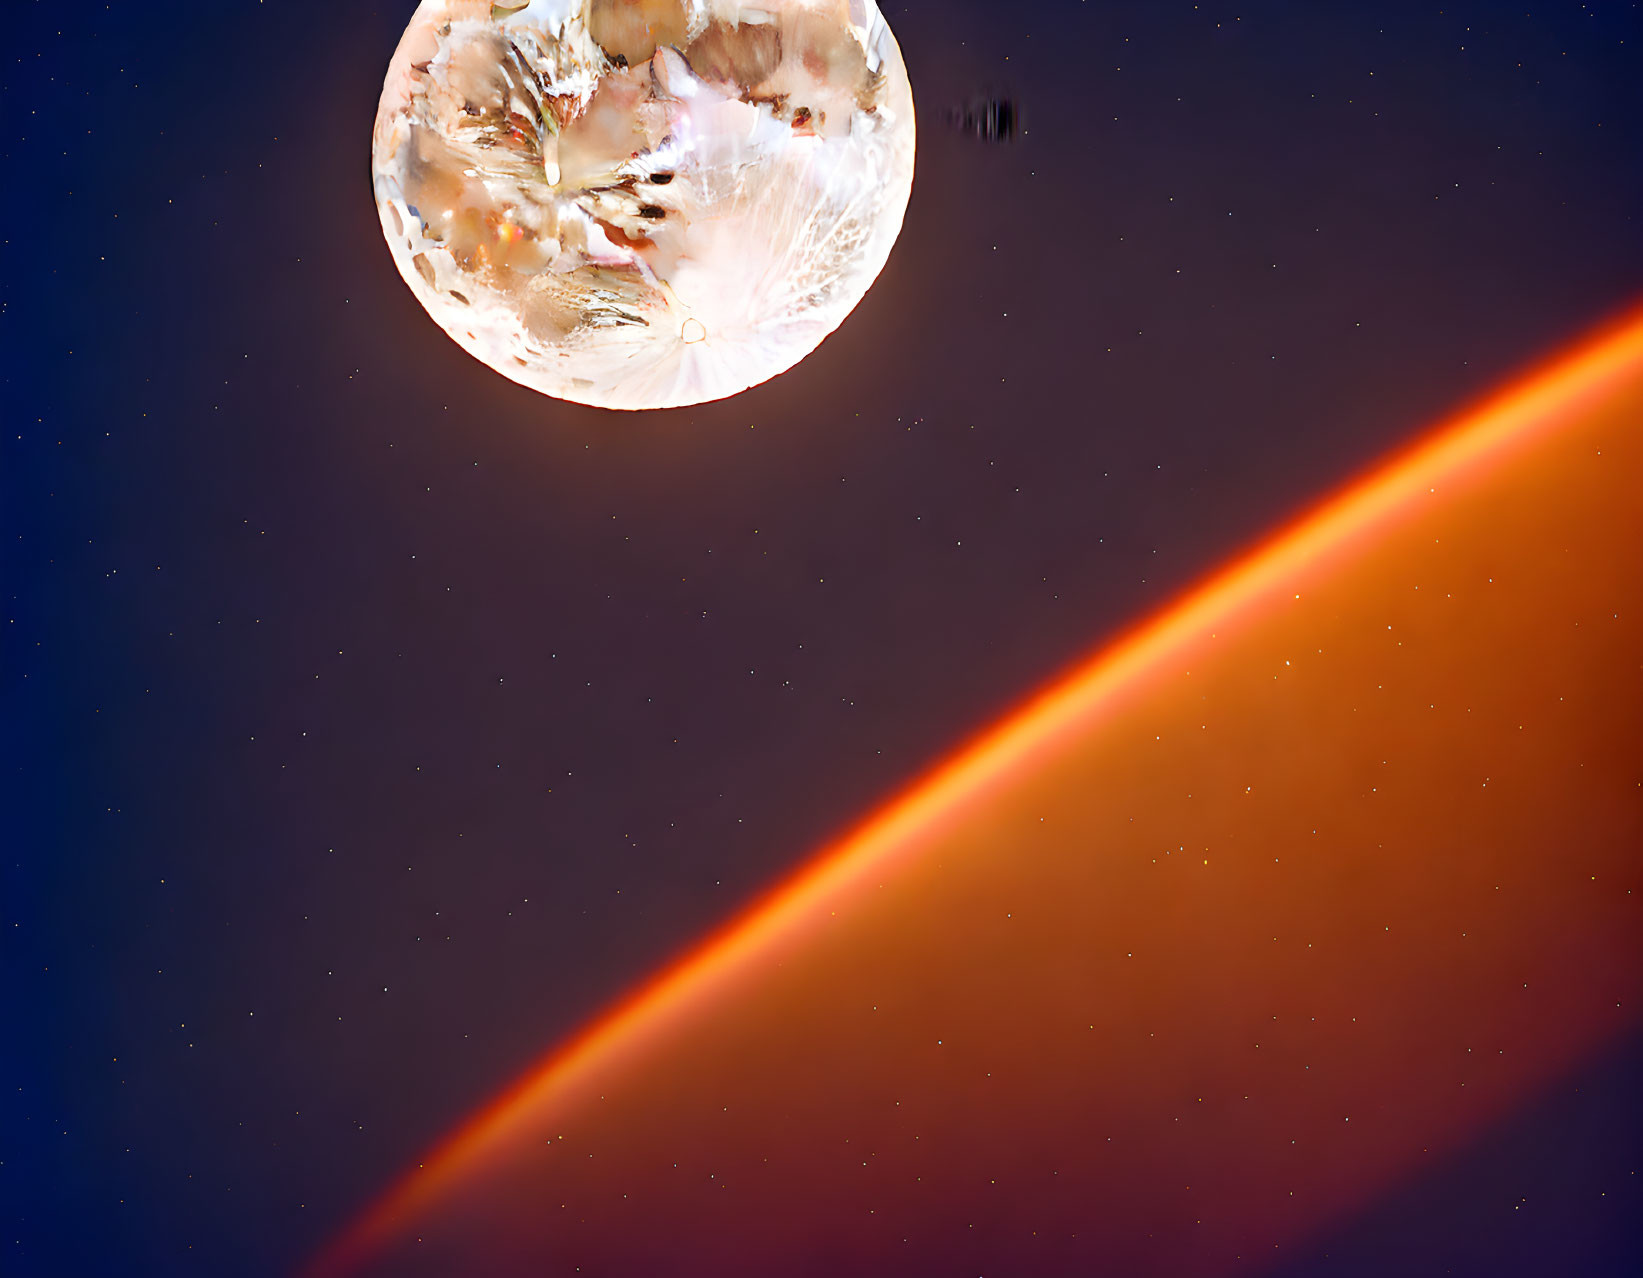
[581,193]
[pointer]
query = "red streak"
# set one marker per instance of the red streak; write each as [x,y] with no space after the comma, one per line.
[1460,452]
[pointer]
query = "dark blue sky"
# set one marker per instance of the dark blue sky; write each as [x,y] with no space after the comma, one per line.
[369,721]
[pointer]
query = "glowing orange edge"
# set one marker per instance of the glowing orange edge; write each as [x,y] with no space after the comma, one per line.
[1465,441]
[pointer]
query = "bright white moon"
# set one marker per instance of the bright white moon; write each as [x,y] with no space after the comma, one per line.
[643,203]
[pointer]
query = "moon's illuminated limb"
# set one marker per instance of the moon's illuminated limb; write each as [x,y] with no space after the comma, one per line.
[643,203]
[1459,457]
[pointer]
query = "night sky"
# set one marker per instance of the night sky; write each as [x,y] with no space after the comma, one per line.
[371,722]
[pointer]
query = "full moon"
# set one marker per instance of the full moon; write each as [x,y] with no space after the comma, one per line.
[643,203]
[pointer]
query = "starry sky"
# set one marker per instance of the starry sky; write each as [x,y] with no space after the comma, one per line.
[370,722]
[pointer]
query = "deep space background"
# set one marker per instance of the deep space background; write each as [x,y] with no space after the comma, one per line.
[370,722]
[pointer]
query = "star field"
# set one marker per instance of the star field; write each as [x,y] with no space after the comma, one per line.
[370,723]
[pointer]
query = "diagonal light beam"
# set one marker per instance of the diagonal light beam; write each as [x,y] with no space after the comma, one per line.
[1458,454]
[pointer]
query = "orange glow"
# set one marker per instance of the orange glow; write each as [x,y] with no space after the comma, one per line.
[1458,458]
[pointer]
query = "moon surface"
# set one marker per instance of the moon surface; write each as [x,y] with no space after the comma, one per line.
[641,204]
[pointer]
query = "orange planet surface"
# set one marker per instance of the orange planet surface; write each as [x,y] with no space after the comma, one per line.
[1256,915]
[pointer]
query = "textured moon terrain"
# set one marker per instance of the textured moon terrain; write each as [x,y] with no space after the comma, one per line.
[643,203]
[1263,911]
